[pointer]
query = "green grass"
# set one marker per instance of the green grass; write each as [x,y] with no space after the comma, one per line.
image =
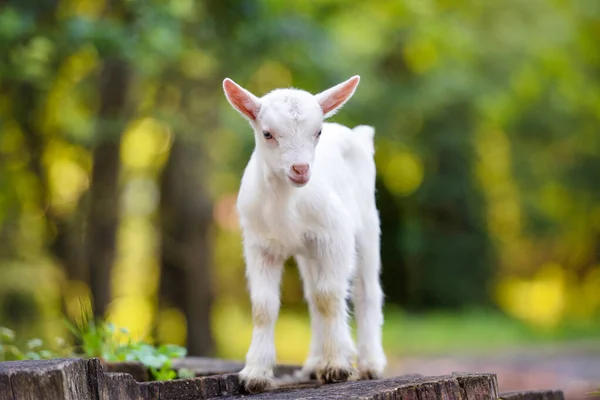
[473,331]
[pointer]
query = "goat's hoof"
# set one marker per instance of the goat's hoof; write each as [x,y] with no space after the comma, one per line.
[369,374]
[334,374]
[258,385]
[257,380]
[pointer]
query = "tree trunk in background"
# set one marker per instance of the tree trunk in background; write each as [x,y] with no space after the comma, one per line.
[63,241]
[186,215]
[451,214]
[103,214]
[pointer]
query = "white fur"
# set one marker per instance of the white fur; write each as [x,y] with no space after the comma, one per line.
[330,225]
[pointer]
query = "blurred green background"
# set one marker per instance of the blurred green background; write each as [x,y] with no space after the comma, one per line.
[120,161]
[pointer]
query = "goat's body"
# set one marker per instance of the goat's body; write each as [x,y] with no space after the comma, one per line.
[331,227]
[309,192]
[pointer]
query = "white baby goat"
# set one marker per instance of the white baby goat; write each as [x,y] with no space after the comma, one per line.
[309,192]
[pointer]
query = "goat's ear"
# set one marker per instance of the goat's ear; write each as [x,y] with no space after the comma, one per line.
[241,99]
[333,98]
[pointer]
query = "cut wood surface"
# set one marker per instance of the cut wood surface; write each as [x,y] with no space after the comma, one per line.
[80,379]
[205,366]
[201,366]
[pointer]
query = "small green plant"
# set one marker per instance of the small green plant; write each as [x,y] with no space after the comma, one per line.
[35,348]
[109,343]
[104,341]
[7,347]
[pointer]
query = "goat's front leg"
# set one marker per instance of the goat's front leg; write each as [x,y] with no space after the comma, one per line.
[334,270]
[309,269]
[263,271]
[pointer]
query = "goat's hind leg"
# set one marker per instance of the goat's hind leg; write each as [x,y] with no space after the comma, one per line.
[328,297]
[368,302]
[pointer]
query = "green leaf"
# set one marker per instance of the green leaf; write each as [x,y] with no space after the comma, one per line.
[32,355]
[186,373]
[110,328]
[173,350]
[163,374]
[6,335]
[170,374]
[153,360]
[10,349]
[60,342]
[72,328]
[45,354]
[34,343]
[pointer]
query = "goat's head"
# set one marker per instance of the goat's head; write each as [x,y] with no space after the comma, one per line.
[287,124]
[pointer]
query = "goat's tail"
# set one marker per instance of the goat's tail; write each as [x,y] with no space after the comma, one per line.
[365,134]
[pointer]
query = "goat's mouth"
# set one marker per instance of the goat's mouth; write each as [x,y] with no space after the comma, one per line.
[299,181]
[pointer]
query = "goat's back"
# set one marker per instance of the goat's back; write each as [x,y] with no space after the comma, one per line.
[346,154]
[344,161]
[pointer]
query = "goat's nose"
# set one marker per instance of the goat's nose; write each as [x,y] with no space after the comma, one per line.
[300,169]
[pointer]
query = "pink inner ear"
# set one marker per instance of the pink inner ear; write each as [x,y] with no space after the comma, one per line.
[339,95]
[240,99]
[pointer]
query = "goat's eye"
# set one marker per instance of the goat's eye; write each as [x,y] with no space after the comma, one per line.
[267,135]
[319,133]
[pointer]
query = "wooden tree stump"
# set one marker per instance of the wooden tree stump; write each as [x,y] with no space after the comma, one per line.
[48,379]
[80,379]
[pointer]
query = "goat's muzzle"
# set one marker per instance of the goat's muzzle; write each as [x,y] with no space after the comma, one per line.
[299,174]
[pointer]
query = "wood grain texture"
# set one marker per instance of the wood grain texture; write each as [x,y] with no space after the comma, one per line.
[44,379]
[117,385]
[180,389]
[477,386]
[194,388]
[5,388]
